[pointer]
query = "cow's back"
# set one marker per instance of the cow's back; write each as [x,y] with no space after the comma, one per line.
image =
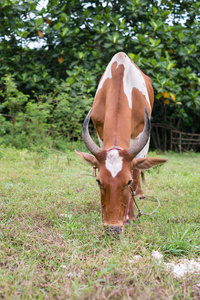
[118,108]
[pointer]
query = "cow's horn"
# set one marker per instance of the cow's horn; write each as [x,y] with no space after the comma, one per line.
[92,147]
[143,139]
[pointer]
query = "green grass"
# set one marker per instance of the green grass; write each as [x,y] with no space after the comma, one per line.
[52,244]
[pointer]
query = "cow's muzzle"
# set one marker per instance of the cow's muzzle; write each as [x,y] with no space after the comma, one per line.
[109,229]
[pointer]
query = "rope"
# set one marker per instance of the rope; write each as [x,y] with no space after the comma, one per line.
[140,213]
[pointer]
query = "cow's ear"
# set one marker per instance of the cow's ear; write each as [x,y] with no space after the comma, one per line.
[89,158]
[147,163]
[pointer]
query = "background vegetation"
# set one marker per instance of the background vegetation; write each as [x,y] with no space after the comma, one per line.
[52,57]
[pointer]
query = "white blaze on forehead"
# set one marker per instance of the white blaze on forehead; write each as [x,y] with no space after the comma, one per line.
[133,77]
[113,162]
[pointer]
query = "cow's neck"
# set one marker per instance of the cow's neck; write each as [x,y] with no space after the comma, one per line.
[117,127]
[115,139]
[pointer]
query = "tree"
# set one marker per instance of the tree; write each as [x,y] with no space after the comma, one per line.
[78,39]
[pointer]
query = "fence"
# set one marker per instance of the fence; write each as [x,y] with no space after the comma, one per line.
[166,137]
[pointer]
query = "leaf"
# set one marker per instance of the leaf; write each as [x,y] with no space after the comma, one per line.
[165,95]
[77,30]
[48,21]
[58,25]
[167,101]
[180,36]
[40,34]
[61,59]
[63,17]
[65,31]
[44,74]
[80,55]
[172,96]
[133,56]
[39,21]
[141,38]
[122,24]
[35,78]
[170,65]
[24,33]
[155,10]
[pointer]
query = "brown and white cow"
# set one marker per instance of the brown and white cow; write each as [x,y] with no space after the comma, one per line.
[120,113]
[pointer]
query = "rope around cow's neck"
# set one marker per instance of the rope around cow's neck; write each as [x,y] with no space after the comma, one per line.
[132,192]
[140,213]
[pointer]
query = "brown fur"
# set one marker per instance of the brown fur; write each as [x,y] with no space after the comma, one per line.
[116,124]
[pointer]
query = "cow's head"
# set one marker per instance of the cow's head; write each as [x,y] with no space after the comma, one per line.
[115,167]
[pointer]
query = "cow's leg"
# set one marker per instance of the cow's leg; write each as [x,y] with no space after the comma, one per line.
[131,214]
[139,191]
[136,185]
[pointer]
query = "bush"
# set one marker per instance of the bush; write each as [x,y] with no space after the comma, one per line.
[47,119]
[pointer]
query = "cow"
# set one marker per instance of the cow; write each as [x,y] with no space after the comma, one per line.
[121,115]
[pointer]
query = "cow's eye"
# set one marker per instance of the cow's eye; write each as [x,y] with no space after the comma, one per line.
[130,181]
[99,183]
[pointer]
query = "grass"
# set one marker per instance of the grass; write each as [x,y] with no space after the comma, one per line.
[52,244]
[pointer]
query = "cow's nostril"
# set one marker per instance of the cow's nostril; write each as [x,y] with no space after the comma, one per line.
[113,229]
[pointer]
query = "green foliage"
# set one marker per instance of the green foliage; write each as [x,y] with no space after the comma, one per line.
[59,53]
[73,99]
[48,119]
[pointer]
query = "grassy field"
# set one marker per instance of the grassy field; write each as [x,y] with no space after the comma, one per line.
[52,244]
